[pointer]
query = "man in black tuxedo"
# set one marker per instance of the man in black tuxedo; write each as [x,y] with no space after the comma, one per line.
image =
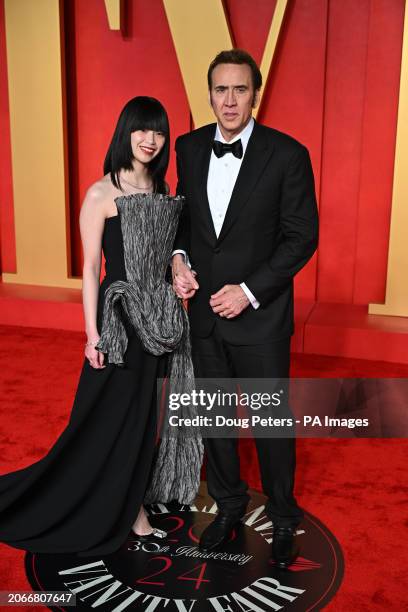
[249,225]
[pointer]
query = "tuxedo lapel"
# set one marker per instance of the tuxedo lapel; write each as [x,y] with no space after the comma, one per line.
[256,156]
[201,167]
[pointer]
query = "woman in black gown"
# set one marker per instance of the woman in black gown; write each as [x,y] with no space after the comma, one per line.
[87,493]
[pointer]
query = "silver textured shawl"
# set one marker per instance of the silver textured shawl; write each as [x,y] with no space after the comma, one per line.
[149,224]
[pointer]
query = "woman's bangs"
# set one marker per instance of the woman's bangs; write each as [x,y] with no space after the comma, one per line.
[153,118]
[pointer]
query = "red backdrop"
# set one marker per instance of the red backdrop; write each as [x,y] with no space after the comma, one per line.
[334,86]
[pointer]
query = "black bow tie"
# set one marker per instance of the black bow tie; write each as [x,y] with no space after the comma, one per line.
[221,148]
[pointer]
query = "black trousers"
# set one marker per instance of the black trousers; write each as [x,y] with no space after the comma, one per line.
[213,357]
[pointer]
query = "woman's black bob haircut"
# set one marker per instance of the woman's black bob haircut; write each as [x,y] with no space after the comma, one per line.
[140,113]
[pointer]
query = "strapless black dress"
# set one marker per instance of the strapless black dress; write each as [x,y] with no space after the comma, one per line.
[85,494]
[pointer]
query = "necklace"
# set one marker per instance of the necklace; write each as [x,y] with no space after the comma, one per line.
[133,184]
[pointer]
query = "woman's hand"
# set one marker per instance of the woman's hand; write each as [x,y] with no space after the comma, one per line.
[96,358]
[184,279]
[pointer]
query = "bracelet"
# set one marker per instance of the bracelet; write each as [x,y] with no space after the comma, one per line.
[91,343]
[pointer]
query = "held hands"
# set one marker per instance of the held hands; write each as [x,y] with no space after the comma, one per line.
[184,282]
[229,301]
[95,358]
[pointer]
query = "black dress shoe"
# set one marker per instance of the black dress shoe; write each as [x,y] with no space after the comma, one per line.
[218,531]
[284,549]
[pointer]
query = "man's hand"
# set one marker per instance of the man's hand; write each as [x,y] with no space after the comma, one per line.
[229,301]
[184,282]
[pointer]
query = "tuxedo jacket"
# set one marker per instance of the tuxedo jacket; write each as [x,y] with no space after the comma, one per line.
[269,232]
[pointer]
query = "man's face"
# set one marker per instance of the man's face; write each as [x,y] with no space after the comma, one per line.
[232,97]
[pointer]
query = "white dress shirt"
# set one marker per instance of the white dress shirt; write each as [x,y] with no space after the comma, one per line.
[222,175]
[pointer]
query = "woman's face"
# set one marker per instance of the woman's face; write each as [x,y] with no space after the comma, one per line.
[146,144]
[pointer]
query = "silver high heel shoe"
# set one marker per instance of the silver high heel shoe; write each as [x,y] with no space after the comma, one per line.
[151,537]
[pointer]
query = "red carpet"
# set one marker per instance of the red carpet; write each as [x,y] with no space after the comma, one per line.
[357,488]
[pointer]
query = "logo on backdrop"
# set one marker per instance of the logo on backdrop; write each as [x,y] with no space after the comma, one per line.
[173,574]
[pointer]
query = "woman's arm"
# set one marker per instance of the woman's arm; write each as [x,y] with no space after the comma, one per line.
[91,222]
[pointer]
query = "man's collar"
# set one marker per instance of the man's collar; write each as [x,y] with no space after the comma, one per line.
[243,135]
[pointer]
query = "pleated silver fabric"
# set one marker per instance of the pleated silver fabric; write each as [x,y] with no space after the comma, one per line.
[149,224]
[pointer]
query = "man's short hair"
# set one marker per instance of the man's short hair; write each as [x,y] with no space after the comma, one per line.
[236,56]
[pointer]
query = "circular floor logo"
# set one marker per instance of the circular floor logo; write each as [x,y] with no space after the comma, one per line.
[173,574]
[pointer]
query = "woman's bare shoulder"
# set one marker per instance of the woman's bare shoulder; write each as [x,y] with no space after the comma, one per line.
[100,190]
[100,196]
